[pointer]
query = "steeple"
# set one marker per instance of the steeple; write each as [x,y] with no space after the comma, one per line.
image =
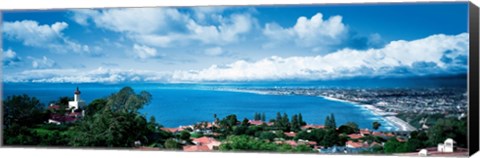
[77,91]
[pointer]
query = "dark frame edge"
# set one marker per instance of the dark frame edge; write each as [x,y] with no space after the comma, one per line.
[473,79]
[1,81]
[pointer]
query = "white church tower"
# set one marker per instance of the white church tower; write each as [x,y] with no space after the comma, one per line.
[77,102]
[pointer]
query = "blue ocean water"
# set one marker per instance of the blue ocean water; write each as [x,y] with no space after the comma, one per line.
[184,104]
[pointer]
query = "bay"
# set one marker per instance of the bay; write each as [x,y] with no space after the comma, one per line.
[174,105]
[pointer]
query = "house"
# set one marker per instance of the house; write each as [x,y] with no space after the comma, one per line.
[401,139]
[307,142]
[290,134]
[172,130]
[77,102]
[359,144]
[365,132]
[76,106]
[211,143]
[255,122]
[306,127]
[195,148]
[447,146]
[423,152]
[355,136]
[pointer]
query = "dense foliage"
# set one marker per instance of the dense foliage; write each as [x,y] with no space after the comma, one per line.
[248,143]
[110,122]
[115,121]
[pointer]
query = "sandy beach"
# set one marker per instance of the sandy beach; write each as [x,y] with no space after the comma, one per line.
[388,116]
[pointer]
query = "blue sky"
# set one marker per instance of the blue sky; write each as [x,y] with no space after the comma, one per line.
[249,43]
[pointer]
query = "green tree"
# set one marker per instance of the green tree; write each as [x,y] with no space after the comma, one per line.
[334,123]
[300,119]
[268,136]
[23,110]
[62,102]
[184,135]
[20,114]
[95,106]
[295,124]
[376,125]
[330,122]
[353,125]
[172,144]
[330,138]
[228,123]
[118,125]
[392,145]
[346,129]
[263,118]
[448,128]
[285,123]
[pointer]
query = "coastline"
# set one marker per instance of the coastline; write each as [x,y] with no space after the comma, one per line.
[389,117]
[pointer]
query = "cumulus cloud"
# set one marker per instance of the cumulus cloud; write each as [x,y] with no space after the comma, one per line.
[144,52]
[42,63]
[434,55]
[202,14]
[33,34]
[315,32]
[99,75]
[10,57]
[398,58]
[164,27]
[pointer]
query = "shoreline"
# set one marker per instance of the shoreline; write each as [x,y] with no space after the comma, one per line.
[387,116]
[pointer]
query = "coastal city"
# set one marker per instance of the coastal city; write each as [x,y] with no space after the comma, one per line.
[390,103]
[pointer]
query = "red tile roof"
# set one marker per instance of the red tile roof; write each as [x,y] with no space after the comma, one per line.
[196,148]
[355,136]
[291,142]
[204,140]
[313,127]
[56,107]
[172,130]
[290,134]
[379,134]
[399,139]
[365,132]
[312,143]
[255,122]
[355,144]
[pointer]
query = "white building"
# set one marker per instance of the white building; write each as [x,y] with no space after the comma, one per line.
[423,152]
[77,102]
[447,146]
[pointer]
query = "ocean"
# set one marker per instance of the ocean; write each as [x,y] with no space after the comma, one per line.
[174,105]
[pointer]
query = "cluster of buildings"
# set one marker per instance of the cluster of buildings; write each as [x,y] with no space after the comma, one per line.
[425,101]
[451,102]
[73,112]
[355,143]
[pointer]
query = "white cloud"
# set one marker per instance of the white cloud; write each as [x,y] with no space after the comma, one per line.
[99,75]
[202,14]
[227,31]
[144,52]
[314,32]
[9,57]
[433,55]
[42,63]
[346,63]
[31,33]
[214,51]
[164,27]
